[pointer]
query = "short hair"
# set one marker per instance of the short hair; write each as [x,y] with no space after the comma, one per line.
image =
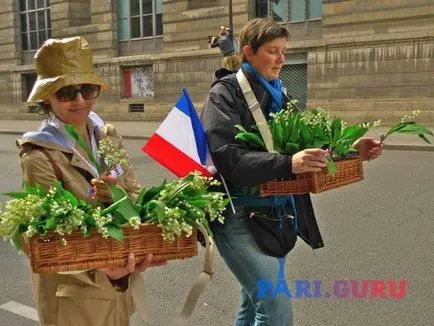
[259,31]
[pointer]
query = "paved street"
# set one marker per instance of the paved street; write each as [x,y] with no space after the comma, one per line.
[379,229]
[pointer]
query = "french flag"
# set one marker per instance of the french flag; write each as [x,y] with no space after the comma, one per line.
[179,143]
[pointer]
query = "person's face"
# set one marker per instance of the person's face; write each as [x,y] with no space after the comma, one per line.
[268,59]
[72,107]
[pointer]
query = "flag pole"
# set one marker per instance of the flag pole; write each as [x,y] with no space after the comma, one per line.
[229,195]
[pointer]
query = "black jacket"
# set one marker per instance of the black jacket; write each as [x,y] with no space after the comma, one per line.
[240,166]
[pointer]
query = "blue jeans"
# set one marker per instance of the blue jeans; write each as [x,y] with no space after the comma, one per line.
[249,265]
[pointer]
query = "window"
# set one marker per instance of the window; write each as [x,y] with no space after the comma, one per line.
[136,107]
[294,79]
[27,82]
[289,10]
[138,82]
[139,19]
[35,23]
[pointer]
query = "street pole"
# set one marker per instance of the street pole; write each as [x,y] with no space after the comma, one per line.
[231,22]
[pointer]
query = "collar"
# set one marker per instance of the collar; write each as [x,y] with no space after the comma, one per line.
[52,132]
[93,122]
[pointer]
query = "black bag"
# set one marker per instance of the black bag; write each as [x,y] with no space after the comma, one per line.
[274,236]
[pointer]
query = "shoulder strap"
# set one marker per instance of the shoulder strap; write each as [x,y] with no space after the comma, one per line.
[256,111]
[53,163]
[138,290]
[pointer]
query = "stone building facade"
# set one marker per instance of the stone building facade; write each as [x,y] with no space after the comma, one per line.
[362,59]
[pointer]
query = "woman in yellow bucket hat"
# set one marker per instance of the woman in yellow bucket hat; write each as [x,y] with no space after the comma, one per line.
[66,89]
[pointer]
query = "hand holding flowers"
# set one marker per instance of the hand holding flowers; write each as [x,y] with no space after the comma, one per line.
[294,131]
[309,160]
[368,148]
[114,158]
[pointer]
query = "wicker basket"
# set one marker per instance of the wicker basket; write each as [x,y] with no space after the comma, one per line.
[49,255]
[347,171]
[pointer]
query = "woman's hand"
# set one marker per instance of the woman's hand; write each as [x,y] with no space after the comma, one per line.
[131,266]
[369,148]
[101,191]
[309,160]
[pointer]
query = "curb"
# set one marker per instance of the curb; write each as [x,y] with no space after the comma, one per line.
[10,132]
[393,147]
[136,137]
[402,147]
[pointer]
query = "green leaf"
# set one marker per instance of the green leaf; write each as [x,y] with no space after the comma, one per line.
[152,193]
[28,189]
[89,220]
[45,207]
[336,130]
[199,203]
[15,240]
[293,137]
[22,228]
[331,166]
[16,195]
[240,128]
[252,139]
[73,200]
[412,128]
[305,133]
[87,232]
[415,129]
[398,127]
[41,229]
[50,223]
[40,191]
[292,148]
[318,143]
[114,206]
[127,210]
[424,138]
[117,192]
[141,196]
[341,149]
[278,137]
[353,133]
[158,208]
[123,204]
[57,184]
[115,231]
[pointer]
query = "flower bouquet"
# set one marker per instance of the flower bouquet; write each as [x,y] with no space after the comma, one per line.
[62,233]
[293,130]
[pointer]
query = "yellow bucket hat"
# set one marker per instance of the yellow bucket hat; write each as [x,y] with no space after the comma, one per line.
[63,62]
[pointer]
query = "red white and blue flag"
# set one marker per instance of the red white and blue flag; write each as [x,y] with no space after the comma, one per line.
[179,143]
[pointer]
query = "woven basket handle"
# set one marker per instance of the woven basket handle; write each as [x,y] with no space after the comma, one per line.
[139,292]
[256,111]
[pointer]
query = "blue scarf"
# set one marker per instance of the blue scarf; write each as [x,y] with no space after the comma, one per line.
[274,88]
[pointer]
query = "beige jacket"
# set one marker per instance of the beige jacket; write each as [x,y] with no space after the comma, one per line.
[88,298]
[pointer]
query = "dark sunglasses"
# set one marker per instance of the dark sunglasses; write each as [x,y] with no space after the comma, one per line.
[87,91]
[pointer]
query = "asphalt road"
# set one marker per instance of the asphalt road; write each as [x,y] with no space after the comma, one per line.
[378,229]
